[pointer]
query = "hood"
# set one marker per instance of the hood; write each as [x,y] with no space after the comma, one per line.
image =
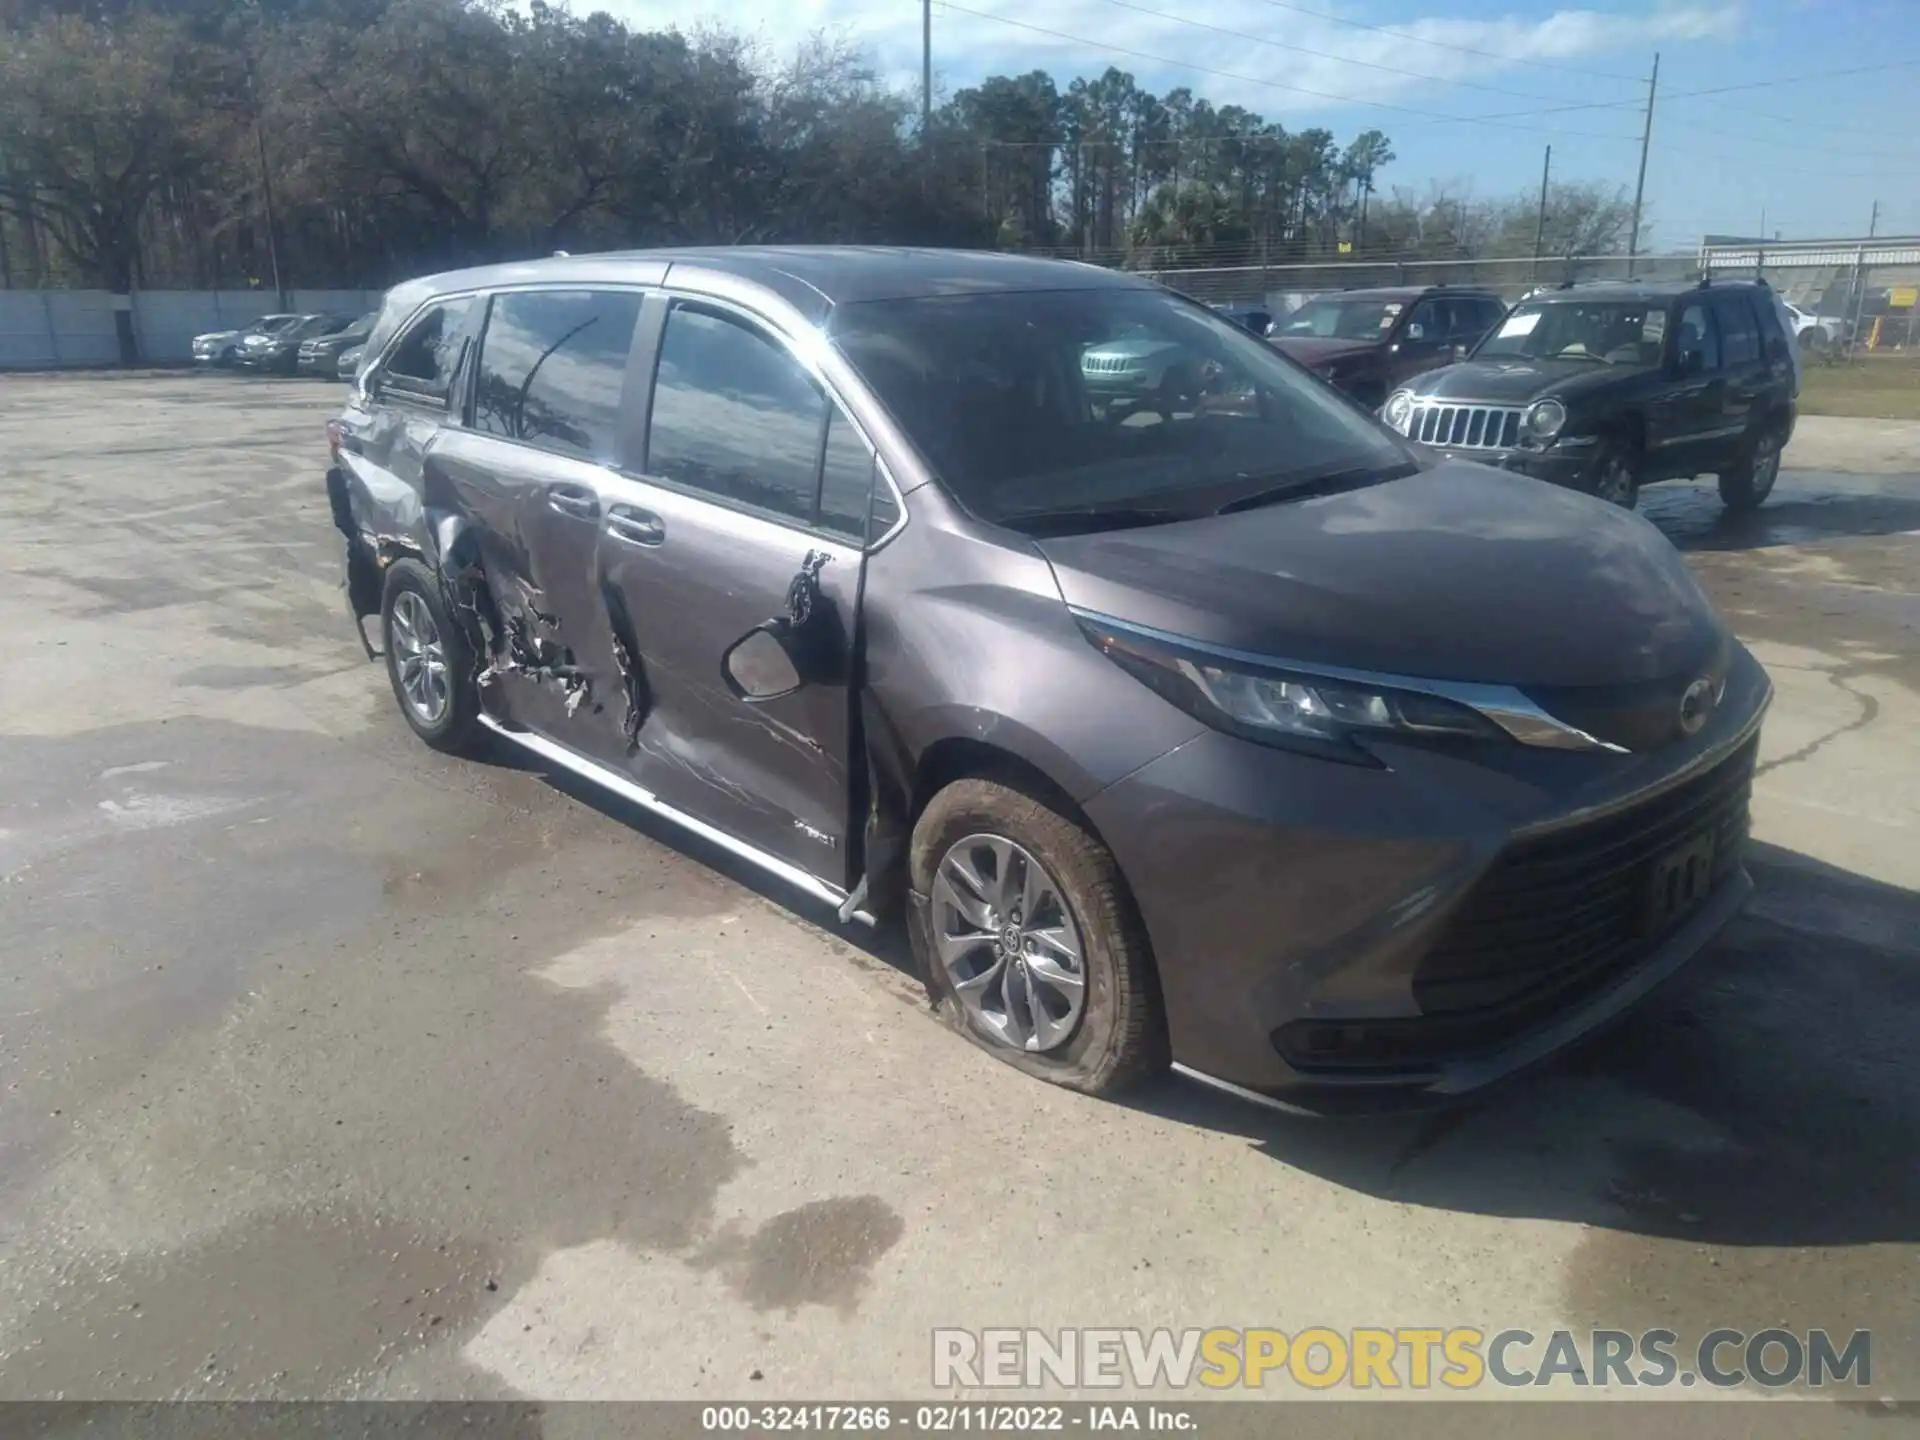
[1459,572]
[1317,353]
[214,337]
[332,342]
[1517,380]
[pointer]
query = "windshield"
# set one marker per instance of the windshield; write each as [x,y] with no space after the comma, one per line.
[1030,403]
[1343,319]
[1612,332]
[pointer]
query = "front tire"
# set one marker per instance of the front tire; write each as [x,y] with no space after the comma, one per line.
[429,662]
[1616,474]
[1029,942]
[1747,485]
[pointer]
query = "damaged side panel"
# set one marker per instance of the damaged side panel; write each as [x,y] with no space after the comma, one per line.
[554,660]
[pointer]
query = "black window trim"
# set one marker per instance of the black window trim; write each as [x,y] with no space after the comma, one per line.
[467,379]
[641,469]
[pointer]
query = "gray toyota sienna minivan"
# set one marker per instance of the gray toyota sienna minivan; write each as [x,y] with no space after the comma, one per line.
[1188,714]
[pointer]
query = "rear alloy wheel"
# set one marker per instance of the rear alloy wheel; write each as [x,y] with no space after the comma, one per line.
[1747,485]
[1616,474]
[1028,941]
[429,661]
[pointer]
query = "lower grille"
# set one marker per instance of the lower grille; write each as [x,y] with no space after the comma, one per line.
[1465,427]
[1554,921]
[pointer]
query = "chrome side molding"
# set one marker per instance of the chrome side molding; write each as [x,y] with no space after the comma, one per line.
[618,784]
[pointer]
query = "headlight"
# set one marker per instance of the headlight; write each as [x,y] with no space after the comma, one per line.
[1398,410]
[1300,711]
[1544,419]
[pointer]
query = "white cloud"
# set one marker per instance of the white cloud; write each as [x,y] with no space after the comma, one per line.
[967,46]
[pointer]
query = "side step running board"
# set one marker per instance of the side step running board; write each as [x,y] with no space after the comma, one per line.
[619,785]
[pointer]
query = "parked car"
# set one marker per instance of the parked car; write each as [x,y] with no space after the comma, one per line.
[321,354]
[1365,342]
[279,353]
[348,365]
[1816,332]
[1229,738]
[1607,387]
[219,348]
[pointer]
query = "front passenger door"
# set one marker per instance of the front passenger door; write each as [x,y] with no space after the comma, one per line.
[754,500]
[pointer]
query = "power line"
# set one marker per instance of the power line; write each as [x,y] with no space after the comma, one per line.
[1447,45]
[1324,54]
[1496,121]
[1715,90]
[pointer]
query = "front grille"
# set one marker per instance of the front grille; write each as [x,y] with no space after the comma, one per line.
[1106,364]
[1465,427]
[1550,924]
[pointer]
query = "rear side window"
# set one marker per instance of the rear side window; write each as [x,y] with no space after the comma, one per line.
[1739,332]
[735,415]
[424,360]
[552,367]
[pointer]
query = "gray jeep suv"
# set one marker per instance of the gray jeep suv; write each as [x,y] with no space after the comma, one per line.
[1205,723]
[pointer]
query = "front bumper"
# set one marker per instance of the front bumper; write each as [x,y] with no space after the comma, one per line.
[1570,465]
[1333,937]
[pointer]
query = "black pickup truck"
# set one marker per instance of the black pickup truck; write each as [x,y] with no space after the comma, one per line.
[1608,386]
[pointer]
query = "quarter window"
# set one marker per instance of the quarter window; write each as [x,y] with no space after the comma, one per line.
[553,364]
[735,415]
[846,479]
[424,360]
[1739,335]
[1696,335]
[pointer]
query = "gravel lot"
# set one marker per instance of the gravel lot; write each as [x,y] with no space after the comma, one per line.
[334,1067]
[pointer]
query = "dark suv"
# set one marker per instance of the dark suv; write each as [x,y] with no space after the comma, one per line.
[1185,711]
[1366,342]
[1607,386]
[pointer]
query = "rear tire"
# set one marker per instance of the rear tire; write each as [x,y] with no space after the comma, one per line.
[980,851]
[429,663]
[1750,482]
[1616,473]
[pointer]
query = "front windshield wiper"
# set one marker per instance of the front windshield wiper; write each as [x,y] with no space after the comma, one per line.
[1302,486]
[1087,519]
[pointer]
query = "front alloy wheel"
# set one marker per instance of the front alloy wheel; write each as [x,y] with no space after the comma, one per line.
[1028,940]
[1007,944]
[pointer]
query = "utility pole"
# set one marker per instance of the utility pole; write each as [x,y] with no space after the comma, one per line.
[1640,186]
[1873,225]
[266,190]
[926,71]
[1540,225]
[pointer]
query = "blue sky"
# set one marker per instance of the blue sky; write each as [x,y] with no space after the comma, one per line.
[1809,155]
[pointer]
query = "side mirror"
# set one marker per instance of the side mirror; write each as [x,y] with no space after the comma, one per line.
[1692,362]
[1416,331]
[1461,349]
[757,667]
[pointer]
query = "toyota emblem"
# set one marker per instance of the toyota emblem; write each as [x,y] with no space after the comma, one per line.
[1696,705]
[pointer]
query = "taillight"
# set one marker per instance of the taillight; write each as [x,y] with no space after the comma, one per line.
[336,438]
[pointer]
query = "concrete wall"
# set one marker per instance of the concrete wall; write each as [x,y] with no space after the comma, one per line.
[47,329]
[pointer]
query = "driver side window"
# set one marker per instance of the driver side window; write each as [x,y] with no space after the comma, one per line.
[1696,335]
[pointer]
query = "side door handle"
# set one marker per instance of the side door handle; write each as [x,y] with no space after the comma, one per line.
[635,526]
[574,500]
